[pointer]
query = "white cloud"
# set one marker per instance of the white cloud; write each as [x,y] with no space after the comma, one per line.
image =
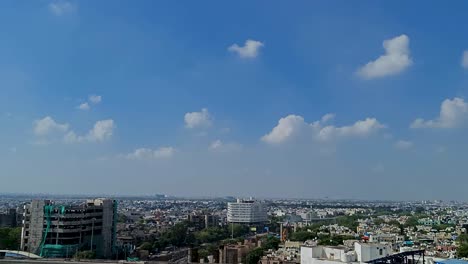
[83,106]
[293,125]
[72,137]
[328,117]
[60,8]
[403,144]
[216,144]
[198,119]
[395,60]
[95,99]
[220,146]
[464,61]
[101,131]
[452,114]
[249,50]
[147,153]
[360,128]
[48,125]
[287,127]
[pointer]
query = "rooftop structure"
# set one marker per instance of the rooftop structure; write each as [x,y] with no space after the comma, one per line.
[361,253]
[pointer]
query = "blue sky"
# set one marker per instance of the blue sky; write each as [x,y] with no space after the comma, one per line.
[331,99]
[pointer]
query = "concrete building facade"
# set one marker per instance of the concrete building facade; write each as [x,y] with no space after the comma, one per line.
[52,230]
[246,212]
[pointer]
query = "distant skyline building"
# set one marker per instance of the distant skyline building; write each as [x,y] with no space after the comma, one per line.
[52,230]
[246,212]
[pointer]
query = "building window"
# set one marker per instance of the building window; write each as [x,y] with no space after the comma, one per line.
[381,252]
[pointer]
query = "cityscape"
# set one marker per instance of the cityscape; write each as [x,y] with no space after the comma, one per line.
[233,132]
[164,229]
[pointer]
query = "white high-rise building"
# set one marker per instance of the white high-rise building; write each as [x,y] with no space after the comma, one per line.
[246,212]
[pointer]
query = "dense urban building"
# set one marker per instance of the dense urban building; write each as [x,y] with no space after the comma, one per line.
[8,218]
[316,231]
[246,212]
[202,221]
[53,230]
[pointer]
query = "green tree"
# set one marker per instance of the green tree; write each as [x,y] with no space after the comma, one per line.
[210,235]
[463,238]
[302,236]
[378,221]
[327,240]
[254,256]
[462,251]
[146,246]
[10,238]
[411,221]
[349,221]
[271,242]
[203,253]
[85,255]
[239,230]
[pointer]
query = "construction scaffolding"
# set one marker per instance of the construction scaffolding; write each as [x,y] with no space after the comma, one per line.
[54,250]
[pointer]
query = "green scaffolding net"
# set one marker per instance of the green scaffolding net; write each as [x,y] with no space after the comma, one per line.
[58,251]
[51,250]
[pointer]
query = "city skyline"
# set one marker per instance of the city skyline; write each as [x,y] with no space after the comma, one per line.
[314,100]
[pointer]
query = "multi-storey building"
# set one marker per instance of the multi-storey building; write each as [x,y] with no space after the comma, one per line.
[8,218]
[201,221]
[246,212]
[52,230]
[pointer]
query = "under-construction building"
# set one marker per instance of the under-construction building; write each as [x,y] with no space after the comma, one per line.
[53,230]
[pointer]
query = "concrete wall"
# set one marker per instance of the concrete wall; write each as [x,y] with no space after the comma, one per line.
[36,226]
[107,227]
[367,252]
[333,253]
[306,255]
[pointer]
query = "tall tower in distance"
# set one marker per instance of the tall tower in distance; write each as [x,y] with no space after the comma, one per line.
[246,212]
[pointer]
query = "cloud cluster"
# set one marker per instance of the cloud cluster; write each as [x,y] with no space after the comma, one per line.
[149,154]
[250,49]
[453,113]
[61,8]
[293,125]
[220,146]
[92,99]
[101,131]
[200,119]
[395,60]
[95,99]
[84,106]
[47,127]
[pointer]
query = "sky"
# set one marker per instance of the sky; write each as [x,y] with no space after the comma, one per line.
[303,99]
